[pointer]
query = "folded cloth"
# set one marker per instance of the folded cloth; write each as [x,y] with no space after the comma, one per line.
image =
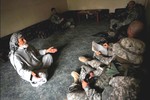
[36,82]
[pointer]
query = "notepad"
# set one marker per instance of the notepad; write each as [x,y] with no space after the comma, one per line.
[98,47]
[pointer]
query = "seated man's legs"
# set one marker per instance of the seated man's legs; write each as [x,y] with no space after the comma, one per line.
[77,95]
[78,77]
[113,22]
[42,72]
[72,25]
[85,69]
[68,23]
[47,60]
[94,63]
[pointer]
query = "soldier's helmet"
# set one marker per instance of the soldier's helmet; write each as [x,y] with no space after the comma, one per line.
[130,49]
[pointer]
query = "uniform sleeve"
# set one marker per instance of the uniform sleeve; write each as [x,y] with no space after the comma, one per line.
[19,66]
[132,16]
[92,94]
[55,19]
[105,60]
[42,52]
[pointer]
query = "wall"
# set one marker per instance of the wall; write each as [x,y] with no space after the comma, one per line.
[98,4]
[19,14]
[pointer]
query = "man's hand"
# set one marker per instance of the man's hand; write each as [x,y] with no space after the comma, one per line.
[98,53]
[51,50]
[91,74]
[84,84]
[34,75]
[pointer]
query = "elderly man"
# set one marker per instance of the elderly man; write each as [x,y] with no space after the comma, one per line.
[30,64]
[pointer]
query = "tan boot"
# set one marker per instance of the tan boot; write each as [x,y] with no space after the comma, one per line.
[75,85]
[83,59]
[75,76]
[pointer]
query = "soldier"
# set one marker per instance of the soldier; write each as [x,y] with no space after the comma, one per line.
[30,64]
[134,30]
[119,88]
[132,14]
[56,19]
[128,56]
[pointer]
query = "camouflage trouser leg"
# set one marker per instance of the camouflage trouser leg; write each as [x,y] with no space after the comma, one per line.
[113,22]
[78,95]
[103,60]
[119,24]
[71,20]
[96,64]
[103,80]
[85,69]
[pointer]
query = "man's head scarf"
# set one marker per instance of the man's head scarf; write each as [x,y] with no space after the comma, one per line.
[13,44]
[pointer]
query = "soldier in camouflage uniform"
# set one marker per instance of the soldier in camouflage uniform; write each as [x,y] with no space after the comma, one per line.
[134,30]
[57,20]
[132,14]
[128,55]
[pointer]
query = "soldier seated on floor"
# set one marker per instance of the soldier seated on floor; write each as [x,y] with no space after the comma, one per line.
[128,58]
[134,30]
[133,13]
[60,22]
[119,87]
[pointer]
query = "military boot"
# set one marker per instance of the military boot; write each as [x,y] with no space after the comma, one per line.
[84,59]
[75,85]
[75,76]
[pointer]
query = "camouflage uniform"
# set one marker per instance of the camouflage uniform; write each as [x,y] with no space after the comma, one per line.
[132,15]
[55,19]
[129,51]
[89,94]
[121,88]
[133,30]
[101,81]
